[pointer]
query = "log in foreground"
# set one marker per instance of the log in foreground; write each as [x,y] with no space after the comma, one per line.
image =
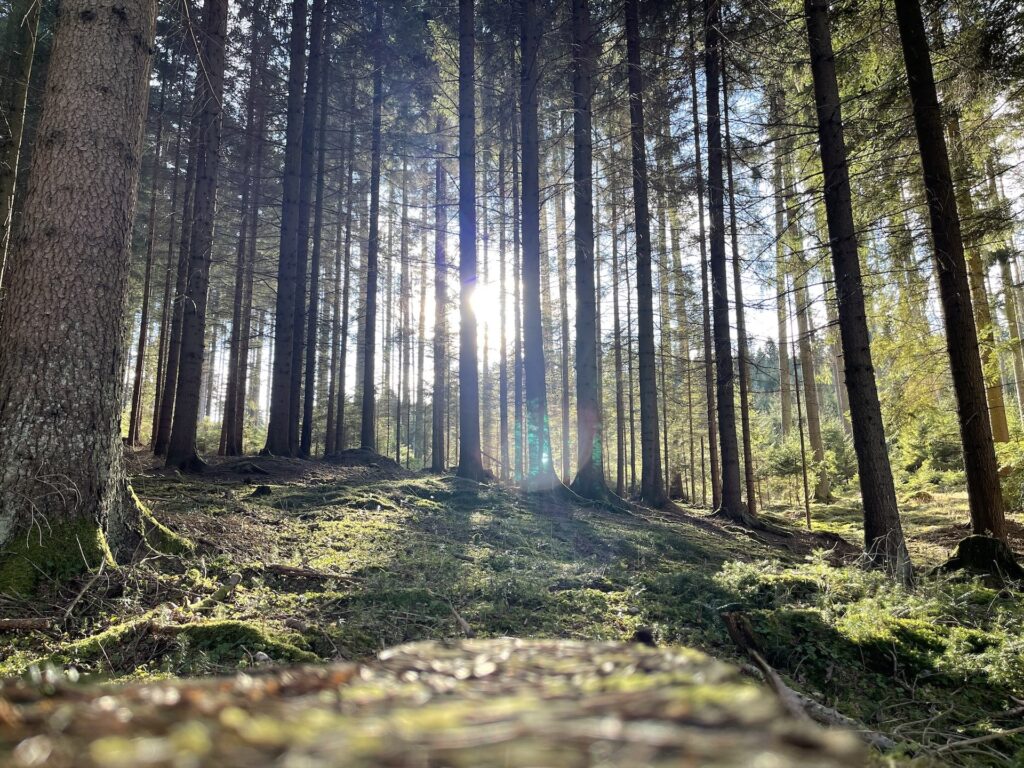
[503,702]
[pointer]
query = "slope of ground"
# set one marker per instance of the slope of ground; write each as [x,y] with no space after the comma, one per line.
[300,562]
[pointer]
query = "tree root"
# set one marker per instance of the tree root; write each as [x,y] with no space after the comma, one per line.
[984,555]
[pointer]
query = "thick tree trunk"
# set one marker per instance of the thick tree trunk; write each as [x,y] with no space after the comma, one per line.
[652,490]
[181,451]
[539,475]
[20,47]
[589,481]
[279,426]
[709,355]
[562,246]
[368,425]
[986,501]
[742,355]
[732,505]
[883,533]
[63,338]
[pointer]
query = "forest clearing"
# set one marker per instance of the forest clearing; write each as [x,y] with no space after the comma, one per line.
[539,383]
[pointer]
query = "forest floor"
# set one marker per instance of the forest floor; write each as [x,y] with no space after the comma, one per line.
[332,562]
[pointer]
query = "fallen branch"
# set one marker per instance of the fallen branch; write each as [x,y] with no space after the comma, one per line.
[980,739]
[24,625]
[797,704]
[219,596]
[297,571]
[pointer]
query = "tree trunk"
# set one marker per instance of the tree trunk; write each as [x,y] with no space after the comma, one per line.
[540,475]
[517,306]
[470,462]
[986,501]
[279,426]
[504,461]
[439,406]
[367,430]
[300,426]
[589,481]
[731,505]
[709,356]
[883,533]
[652,489]
[742,356]
[785,375]
[181,451]
[135,414]
[63,338]
[320,96]
[620,406]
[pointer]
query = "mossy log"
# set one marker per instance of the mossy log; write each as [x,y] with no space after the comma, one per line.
[474,703]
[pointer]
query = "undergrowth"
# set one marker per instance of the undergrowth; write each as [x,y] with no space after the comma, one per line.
[339,565]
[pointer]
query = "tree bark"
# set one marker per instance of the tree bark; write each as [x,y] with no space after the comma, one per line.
[986,501]
[63,338]
[883,533]
[20,45]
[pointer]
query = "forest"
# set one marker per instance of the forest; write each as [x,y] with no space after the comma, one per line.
[527,383]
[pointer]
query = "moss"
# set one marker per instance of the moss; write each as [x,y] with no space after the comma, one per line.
[229,641]
[57,552]
[158,535]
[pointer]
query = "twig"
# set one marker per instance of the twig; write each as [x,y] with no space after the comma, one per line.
[86,588]
[979,739]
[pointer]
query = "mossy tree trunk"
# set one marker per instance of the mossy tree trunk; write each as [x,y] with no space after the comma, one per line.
[64,331]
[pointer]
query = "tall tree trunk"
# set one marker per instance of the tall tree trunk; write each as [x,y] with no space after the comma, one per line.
[883,533]
[976,271]
[986,501]
[230,427]
[589,481]
[301,426]
[170,274]
[63,335]
[279,427]
[731,505]
[1013,328]
[181,451]
[620,406]
[742,355]
[785,375]
[313,315]
[135,415]
[504,461]
[439,406]
[367,430]
[169,389]
[562,245]
[540,475]
[517,305]
[709,355]
[470,462]
[20,47]
[652,490]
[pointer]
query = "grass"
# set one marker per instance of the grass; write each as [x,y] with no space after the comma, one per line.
[392,558]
